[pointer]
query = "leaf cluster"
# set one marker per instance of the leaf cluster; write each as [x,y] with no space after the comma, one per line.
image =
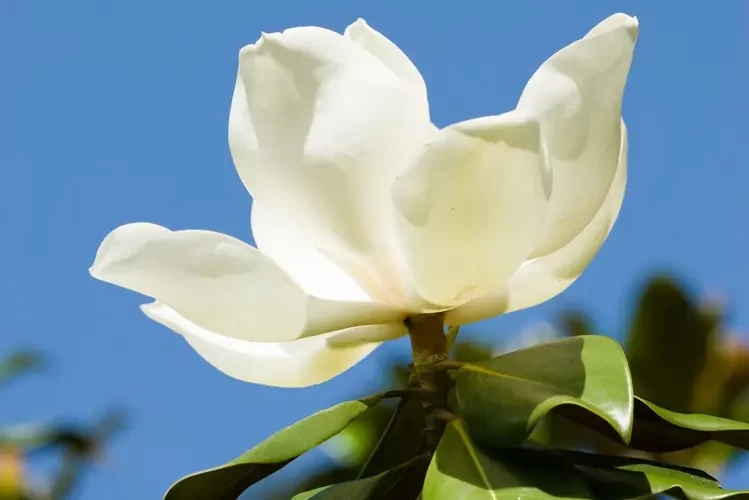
[517,422]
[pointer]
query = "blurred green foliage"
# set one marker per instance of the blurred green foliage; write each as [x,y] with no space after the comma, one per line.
[75,446]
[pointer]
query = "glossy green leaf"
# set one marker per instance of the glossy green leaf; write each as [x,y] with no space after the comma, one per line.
[668,344]
[228,481]
[620,478]
[463,469]
[359,489]
[389,484]
[503,399]
[658,429]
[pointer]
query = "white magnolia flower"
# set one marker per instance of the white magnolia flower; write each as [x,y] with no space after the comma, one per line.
[365,213]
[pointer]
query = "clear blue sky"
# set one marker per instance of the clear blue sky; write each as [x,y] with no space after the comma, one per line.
[112,112]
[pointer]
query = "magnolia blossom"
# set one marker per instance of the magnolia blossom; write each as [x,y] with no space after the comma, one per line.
[364,213]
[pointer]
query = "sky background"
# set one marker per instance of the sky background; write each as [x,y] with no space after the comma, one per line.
[113,112]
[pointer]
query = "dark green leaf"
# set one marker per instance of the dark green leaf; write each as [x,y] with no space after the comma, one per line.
[620,478]
[228,481]
[403,439]
[472,350]
[359,489]
[503,399]
[667,345]
[659,429]
[462,469]
[395,483]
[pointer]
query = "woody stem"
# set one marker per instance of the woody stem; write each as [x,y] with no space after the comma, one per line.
[429,349]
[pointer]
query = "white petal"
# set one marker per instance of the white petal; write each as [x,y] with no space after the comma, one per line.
[577,97]
[317,274]
[542,278]
[387,52]
[471,208]
[299,363]
[319,128]
[224,285]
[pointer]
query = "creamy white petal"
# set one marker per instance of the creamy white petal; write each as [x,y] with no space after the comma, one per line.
[298,363]
[316,273]
[319,128]
[472,207]
[224,285]
[542,278]
[577,97]
[386,51]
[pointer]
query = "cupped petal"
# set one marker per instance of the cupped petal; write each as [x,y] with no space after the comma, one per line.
[319,128]
[224,285]
[298,363]
[314,271]
[386,51]
[542,278]
[577,97]
[472,207]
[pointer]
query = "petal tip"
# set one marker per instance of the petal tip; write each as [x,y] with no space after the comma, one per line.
[630,23]
[633,26]
[149,307]
[255,48]
[357,29]
[154,311]
[617,21]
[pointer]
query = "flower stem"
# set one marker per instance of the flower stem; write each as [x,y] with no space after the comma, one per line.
[429,351]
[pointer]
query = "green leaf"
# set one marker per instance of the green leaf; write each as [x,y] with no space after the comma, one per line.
[228,481]
[463,469]
[402,441]
[503,399]
[389,484]
[613,477]
[657,429]
[668,344]
[359,489]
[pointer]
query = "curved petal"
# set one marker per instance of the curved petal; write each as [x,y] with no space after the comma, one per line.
[472,207]
[577,96]
[224,285]
[542,278]
[386,51]
[319,127]
[280,238]
[299,363]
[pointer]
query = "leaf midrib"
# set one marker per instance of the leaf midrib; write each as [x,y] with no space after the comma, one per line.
[487,371]
[474,457]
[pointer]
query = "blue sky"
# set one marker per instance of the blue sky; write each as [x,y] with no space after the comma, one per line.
[112,112]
